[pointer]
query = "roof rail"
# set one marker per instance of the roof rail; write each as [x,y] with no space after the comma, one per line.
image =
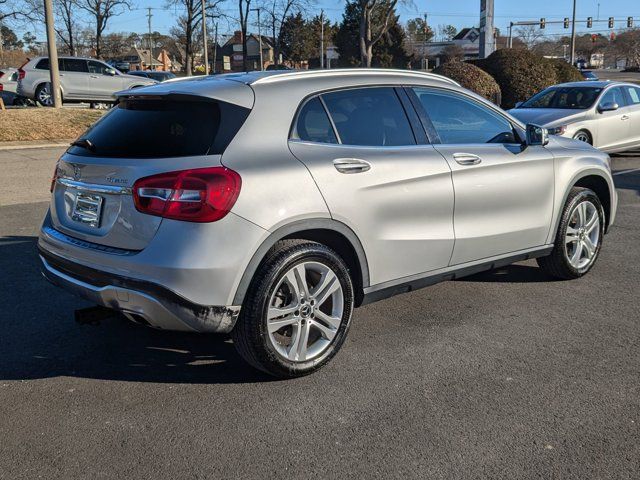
[349,72]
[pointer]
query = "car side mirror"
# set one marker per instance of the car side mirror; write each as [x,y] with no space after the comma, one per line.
[518,104]
[608,107]
[537,135]
[110,71]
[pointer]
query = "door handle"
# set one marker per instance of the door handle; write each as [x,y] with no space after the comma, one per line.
[466,158]
[351,165]
[624,117]
[93,76]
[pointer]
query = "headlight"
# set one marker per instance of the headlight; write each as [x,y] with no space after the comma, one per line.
[557,130]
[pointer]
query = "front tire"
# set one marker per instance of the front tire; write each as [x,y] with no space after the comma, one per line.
[297,311]
[583,136]
[579,236]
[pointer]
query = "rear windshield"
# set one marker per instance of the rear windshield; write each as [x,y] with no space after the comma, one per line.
[163,128]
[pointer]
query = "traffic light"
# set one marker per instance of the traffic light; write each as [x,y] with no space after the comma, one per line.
[566,22]
[610,22]
[589,22]
[543,22]
[629,22]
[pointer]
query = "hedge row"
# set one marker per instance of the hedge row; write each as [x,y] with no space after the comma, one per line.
[518,73]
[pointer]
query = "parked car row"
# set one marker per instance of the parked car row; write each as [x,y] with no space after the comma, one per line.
[603,114]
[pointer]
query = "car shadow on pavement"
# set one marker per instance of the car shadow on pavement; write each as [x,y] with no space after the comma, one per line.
[516,273]
[40,339]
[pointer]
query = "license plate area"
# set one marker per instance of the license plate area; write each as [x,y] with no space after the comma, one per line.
[87,209]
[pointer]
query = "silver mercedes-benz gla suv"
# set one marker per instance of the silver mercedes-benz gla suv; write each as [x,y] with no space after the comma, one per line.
[269,205]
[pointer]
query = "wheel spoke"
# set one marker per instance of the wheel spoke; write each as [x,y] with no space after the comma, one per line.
[581,214]
[277,324]
[291,279]
[298,348]
[333,322]
[328,284]
[589,247]
[575,258]
[592,223]
[301,276]
[572,235]
[326,332]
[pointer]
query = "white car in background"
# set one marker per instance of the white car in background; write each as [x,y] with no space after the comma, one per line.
[81,80]
[603,114]
[8,79]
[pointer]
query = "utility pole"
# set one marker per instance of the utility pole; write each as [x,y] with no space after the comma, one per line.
[259,37]
[510,41]
[53,54]
[150,65]
[572,58]
[321,39]
[424,44]
[204,38]
[215,44]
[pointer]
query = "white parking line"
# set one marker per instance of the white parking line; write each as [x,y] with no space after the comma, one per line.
[627,171]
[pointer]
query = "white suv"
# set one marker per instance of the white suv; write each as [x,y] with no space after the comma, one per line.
[81,80]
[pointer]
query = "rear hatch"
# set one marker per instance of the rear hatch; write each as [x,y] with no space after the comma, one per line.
[144,135]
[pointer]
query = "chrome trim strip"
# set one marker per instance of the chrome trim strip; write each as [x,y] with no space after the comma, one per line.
[94,188]
[50,233]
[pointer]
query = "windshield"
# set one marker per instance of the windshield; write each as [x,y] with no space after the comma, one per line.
[576,98]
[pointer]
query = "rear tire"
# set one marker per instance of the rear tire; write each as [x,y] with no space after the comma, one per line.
[43,95]
[297,310]
[579,236]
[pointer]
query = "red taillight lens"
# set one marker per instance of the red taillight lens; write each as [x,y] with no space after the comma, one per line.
[21,74]
[197,195]
[1,86]
[55,177]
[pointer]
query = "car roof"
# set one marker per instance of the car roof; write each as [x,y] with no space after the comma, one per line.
[238,87]
[591,84]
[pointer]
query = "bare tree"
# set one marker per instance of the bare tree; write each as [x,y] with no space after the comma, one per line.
[276,13]
[244,7]
[529,34]
[187,28]
[66,16]
[101,12]
[14,9]
[374,24]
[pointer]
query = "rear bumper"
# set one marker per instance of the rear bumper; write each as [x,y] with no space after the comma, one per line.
[156,305]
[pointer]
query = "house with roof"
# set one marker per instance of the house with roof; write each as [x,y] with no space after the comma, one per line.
[233,49]
[154,59]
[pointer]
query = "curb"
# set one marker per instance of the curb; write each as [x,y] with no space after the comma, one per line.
[34,144]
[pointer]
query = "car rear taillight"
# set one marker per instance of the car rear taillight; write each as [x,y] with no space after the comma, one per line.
[54,177]
[197,195]
[21,72]
[1,87]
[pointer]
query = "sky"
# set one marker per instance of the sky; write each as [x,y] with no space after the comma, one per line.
[460,13]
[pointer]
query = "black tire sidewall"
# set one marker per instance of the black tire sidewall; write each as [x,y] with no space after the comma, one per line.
[579,197]
[268,278]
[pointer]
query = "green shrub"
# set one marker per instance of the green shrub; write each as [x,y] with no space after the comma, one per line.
[565,72]
[520,74]
[471,77]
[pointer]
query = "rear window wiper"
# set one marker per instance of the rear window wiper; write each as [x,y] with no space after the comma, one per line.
[84,143]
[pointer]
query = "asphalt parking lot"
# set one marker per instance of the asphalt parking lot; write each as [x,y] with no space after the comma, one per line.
[506,374]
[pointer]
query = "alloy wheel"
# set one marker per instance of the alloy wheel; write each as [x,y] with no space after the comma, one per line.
[583,235]
[44,96]
[305,311]
[583,137]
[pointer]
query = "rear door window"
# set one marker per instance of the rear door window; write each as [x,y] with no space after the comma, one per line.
[75,65]
[634,95]
[152,128]
[313,124]
[369,117]
[44,64]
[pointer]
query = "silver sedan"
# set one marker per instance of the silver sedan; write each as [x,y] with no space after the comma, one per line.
[603,114]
